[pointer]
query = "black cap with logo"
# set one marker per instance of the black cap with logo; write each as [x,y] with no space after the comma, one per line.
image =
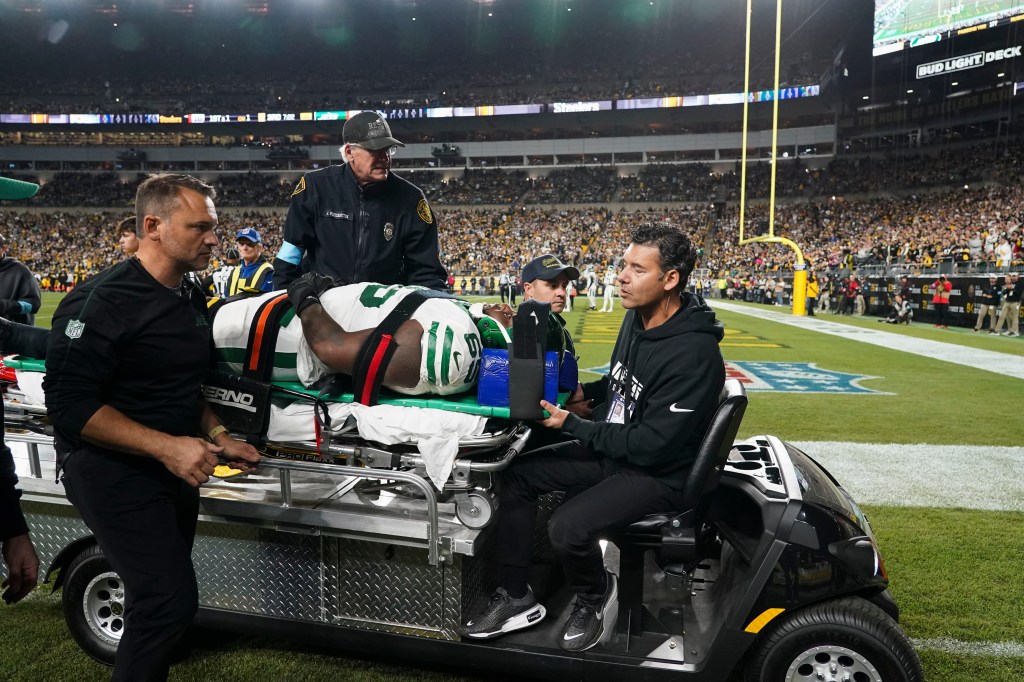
[369,130]
[548,267]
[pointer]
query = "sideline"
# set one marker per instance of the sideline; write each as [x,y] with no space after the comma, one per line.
[1003,364]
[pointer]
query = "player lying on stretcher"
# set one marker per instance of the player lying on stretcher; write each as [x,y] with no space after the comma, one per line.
[411,340]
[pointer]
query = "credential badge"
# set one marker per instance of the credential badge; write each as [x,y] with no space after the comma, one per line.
[74,329]
[389,231]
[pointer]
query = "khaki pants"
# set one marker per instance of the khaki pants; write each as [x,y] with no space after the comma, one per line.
[989,310]
[1010,312]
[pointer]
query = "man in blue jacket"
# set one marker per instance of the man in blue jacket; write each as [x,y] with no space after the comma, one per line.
[630,459]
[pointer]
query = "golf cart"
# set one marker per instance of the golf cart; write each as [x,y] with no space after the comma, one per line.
[770,573]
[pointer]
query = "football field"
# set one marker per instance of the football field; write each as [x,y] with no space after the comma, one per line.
[932,448]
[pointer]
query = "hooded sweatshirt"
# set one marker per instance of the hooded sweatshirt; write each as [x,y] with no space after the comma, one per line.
[674,374]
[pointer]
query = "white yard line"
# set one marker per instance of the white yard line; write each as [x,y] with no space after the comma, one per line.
[964,476]
[955,646]
[1004,364]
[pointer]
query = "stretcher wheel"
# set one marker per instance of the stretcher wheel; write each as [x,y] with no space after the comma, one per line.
[475,509]
[93,602]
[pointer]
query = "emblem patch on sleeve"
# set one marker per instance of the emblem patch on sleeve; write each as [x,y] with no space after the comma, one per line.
[301,187]
[423,211]
[74,329]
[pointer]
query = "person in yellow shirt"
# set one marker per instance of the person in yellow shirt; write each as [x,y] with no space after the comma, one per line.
[812,294]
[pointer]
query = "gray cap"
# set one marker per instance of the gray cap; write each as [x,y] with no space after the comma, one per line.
[368,129]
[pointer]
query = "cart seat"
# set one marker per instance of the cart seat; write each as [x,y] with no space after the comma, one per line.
[681,539]
[674,533]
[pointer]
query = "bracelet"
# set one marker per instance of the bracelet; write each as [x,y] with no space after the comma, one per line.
[216,431]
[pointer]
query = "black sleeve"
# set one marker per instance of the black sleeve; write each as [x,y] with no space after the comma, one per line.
[25,288]
[675,409]
[285,273]
[423,250]
[80,359]
[12,521]
[299,234]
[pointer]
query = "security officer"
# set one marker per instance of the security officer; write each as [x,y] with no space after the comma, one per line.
[359,222]
[254,274]
[125,360]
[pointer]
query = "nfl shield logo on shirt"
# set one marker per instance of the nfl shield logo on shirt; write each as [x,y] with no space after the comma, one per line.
[74,329]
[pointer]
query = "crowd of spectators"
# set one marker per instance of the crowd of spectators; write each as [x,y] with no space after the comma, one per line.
[933,213]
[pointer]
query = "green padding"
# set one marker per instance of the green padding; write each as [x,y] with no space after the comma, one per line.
[25,364]
[465,403]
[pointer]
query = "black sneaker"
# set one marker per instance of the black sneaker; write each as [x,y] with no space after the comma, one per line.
[591,622]
[504,614]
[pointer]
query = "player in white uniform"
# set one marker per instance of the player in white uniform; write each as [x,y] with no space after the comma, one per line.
[591,278]
[438,347]
[609,291]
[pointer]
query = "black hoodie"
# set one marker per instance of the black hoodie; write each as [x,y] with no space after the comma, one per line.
[676,373]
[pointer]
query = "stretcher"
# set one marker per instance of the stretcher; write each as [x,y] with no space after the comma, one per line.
[453,442]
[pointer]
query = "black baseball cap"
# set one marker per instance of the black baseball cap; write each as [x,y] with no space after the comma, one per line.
[548,267]
[11,189]
[368,129]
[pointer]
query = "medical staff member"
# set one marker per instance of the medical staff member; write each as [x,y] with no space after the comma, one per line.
[127,354]
[359,222]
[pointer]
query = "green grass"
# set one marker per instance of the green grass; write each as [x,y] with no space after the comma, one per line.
[955,573]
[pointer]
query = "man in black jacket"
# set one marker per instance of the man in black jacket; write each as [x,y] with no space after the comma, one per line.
[124,364]
[360,222]
[18,553]
[630,460]
[19,290]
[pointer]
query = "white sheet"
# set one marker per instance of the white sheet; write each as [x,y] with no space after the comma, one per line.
[435,432]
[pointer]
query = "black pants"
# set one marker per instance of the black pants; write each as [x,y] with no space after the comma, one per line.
[943,312]
[599,498]
[144,518]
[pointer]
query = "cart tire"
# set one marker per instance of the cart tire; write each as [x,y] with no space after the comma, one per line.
[93,601]
[479,512]
[843,639]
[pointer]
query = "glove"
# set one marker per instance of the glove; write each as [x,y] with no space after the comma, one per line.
[306,290]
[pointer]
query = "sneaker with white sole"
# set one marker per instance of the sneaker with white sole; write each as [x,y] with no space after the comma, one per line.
[591,622]
[504,614]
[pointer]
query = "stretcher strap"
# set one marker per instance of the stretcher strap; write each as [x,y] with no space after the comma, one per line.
[259,360]
[376,353]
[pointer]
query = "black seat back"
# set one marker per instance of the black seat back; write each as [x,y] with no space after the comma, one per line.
[714,449]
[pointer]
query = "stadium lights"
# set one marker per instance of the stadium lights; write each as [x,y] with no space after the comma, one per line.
[866,97]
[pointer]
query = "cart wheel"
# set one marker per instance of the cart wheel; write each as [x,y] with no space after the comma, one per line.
[475,509]
[93,601]
[844,639]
